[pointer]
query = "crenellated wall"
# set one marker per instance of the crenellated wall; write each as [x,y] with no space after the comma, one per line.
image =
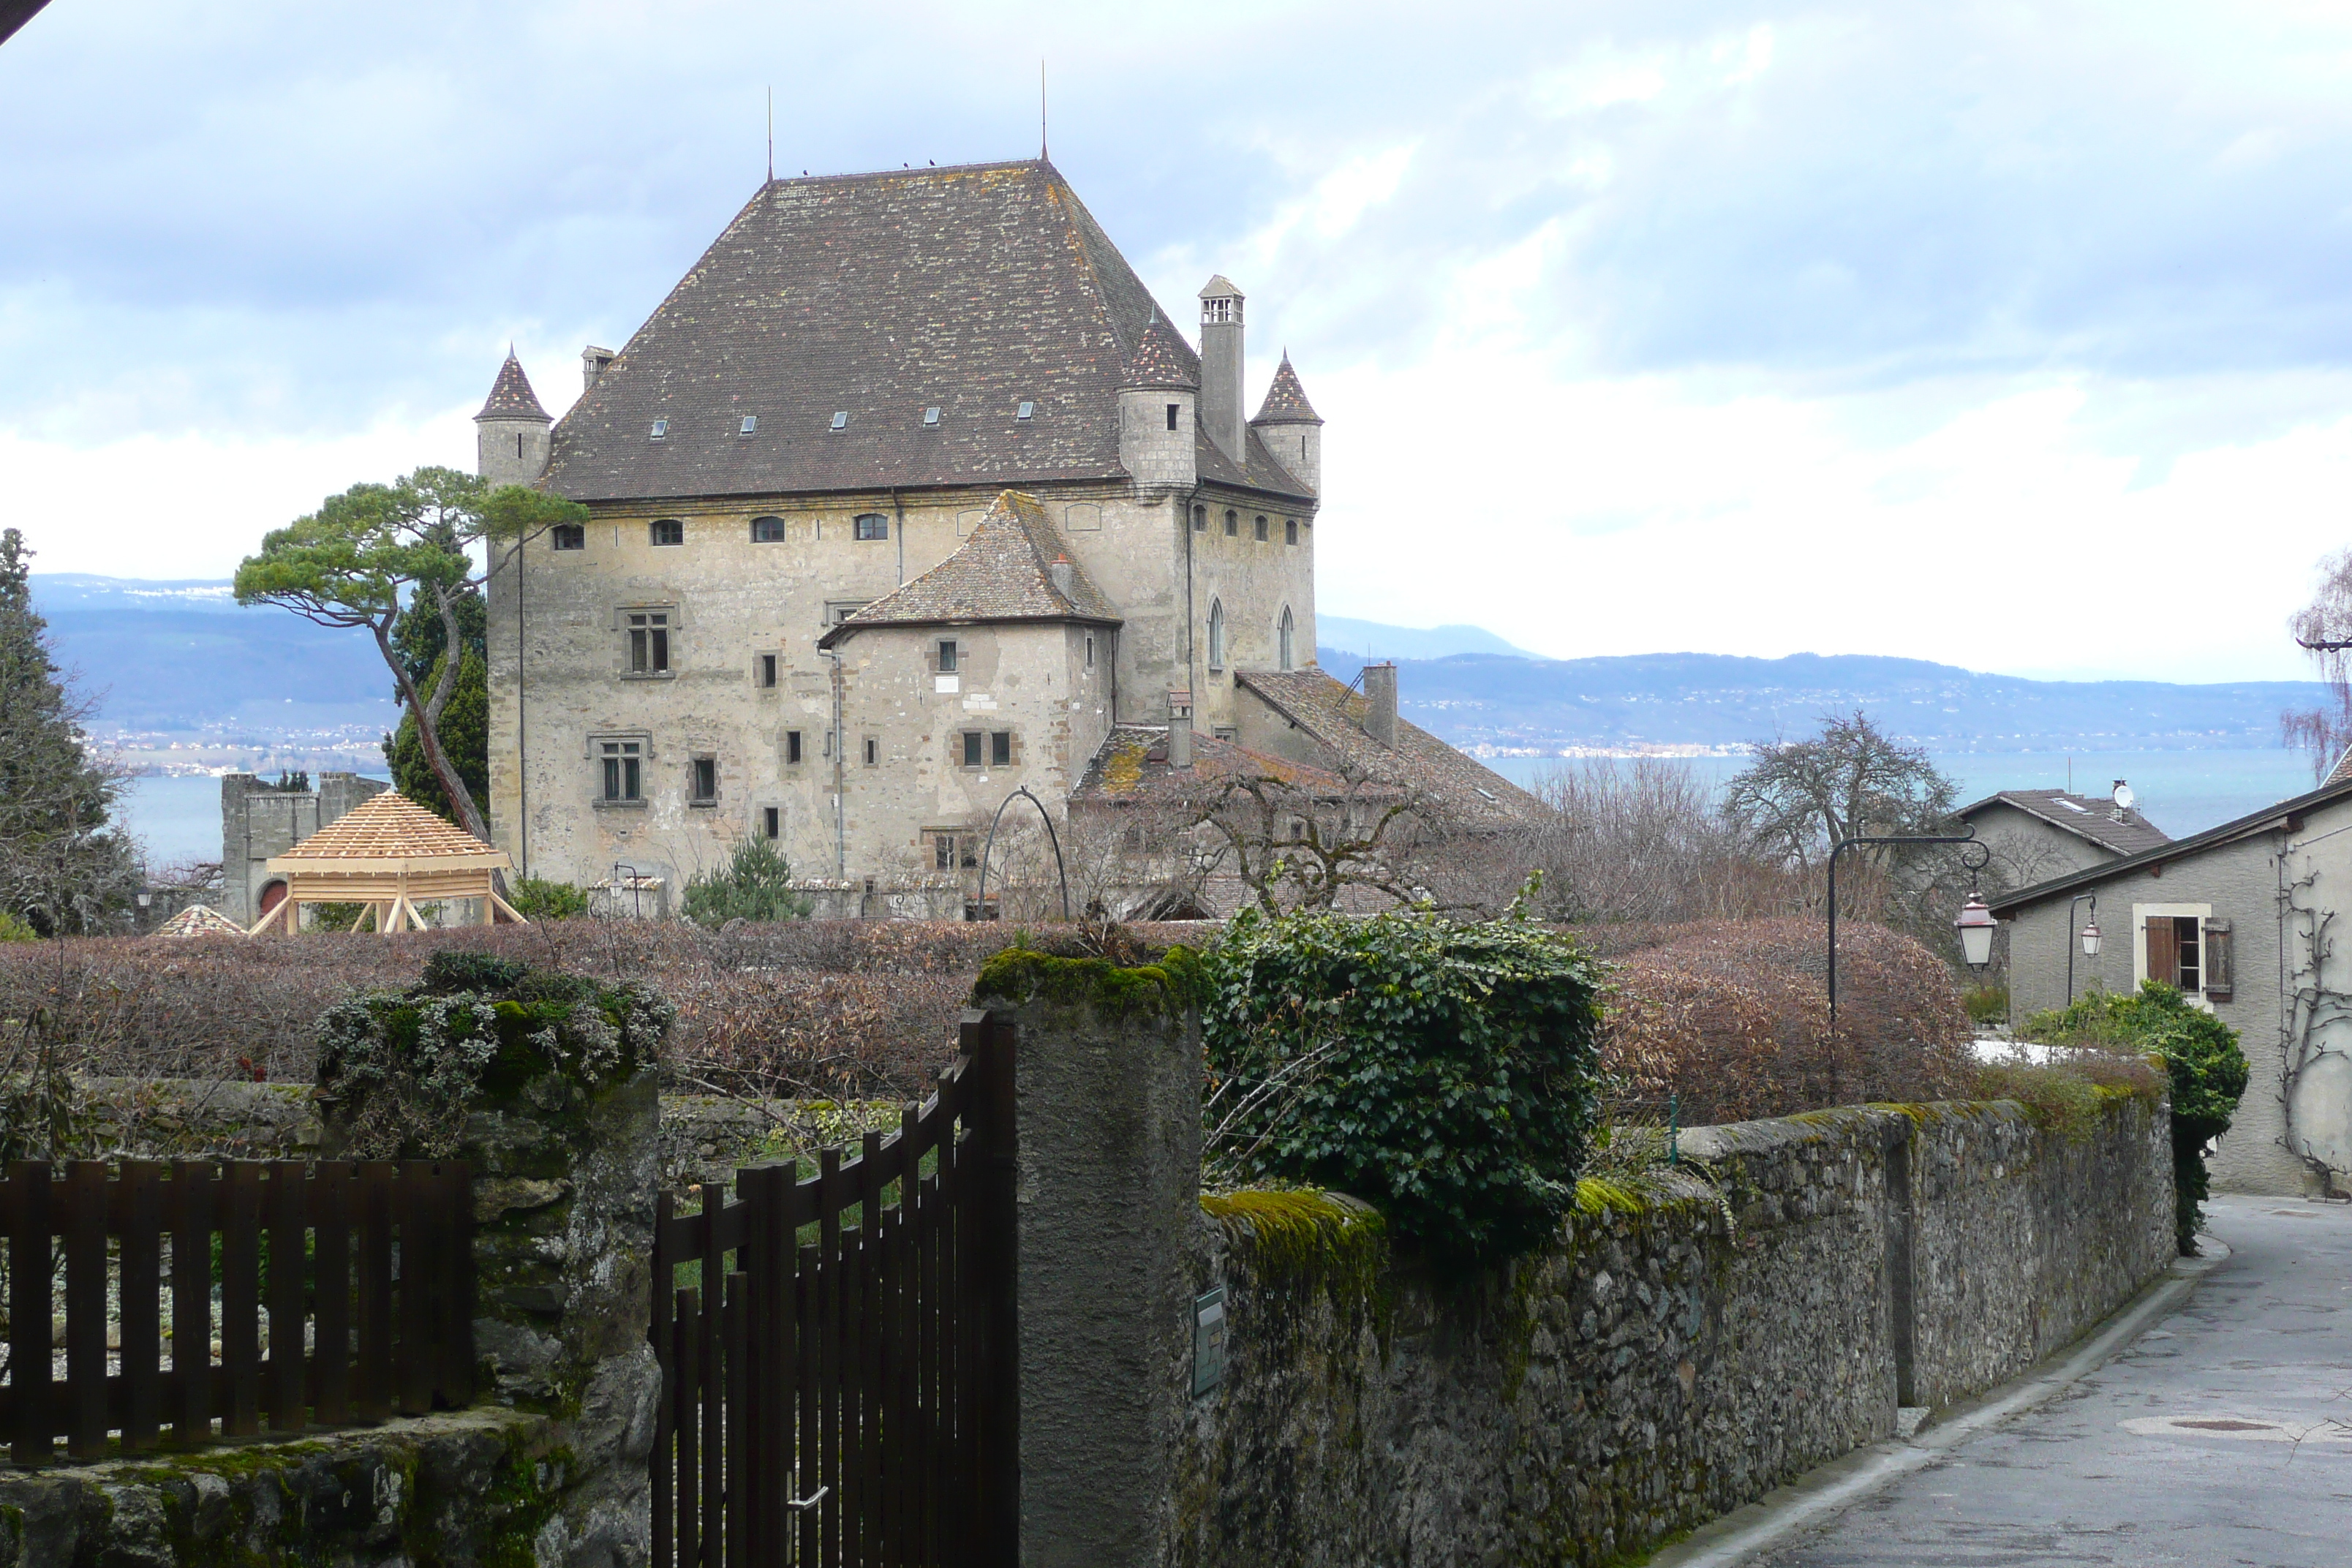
[1664,1363]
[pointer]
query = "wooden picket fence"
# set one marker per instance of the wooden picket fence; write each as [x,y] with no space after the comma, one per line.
[836,1358]
[375,1316]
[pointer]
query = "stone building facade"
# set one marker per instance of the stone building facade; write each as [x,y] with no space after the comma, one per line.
[865,382]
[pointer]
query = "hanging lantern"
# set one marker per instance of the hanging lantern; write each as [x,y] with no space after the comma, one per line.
[1976,928]
[2091,940]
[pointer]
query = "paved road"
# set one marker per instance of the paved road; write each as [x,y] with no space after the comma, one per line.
[2223,1435]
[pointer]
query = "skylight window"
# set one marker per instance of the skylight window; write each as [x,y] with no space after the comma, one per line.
[931,416]
[750,424]
[841,418]
[2075,806]
[659,431]
[1025,411]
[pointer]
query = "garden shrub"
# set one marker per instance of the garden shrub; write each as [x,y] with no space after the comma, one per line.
[543,898]
[2202,1059]
[401,1067]
[1447,1072]
[14,929]
[756,885]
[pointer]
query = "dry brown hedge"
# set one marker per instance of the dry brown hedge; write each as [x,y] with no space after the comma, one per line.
[1729,1016]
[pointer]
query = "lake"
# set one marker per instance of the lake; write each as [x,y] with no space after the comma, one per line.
[2181,791]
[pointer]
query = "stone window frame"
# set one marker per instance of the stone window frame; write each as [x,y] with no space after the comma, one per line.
[962,844]
[1290,530]
[568,536]
[947,656]
[655,528]
[673,624]
[1216,633]
[870,528]
[777,537]
[1233,523]
[1199,519]
[1258,528]
[794,749]
[986,745]
[592,752]
[771,823]
[702,767]
[869,750]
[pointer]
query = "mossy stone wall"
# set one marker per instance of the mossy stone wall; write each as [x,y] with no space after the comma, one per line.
[1653,1368]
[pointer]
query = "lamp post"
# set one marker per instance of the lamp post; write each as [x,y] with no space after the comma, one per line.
[1974,935]
[2089,937]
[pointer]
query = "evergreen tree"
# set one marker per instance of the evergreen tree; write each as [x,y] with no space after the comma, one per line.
[62,867]
[420,640]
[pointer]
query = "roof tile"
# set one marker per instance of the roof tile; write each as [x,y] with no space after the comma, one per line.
[1334,717]
[389,826]
[1285,401]
[511,396]
[1005,572]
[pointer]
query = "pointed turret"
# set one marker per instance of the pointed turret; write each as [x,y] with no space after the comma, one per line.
[510,439]
[1290,428]
[1159,393]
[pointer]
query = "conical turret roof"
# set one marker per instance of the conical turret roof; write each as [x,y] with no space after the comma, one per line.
[1285,401]
[1161,360]
[511,396]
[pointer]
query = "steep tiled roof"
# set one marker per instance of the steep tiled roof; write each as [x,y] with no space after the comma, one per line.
[2085,817]
[511,396]
[970,289]
[199,919]
[1162,359]
[1005,572]
[389,826]
[1260,472]
[1285,401]
[1132,768]
[1334,717]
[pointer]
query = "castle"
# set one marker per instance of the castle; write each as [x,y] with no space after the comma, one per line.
[909,496]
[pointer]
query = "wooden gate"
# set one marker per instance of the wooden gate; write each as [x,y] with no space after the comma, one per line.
[837,1374]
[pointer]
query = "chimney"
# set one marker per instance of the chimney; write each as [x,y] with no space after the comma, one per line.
[1061,573]
[1221,367]
[1381,703]
[1180,730]
[593,361]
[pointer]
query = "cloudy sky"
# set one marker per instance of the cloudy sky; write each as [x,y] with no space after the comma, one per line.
[2013,336]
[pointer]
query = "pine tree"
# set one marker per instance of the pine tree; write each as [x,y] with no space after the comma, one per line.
[63,868]
[419,637]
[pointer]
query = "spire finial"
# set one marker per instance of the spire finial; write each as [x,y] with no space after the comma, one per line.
[1041,111]
[772,136]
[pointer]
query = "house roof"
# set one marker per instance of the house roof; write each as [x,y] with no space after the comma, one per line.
[389,827]
[1005,572]
[1333,716]
[2287,815]
[2089,817]
[1131,769]
[511,396]
[970,290]
[1285,401]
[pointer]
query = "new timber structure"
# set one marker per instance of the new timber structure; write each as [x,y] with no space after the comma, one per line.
[389,854]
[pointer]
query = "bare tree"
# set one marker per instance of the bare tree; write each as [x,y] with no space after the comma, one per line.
[2324,629]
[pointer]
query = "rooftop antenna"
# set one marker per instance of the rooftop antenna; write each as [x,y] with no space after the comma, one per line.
[1041,111]
[772,136]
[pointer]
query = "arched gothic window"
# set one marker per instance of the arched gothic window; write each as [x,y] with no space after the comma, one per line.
[1289,630]
[1216,634]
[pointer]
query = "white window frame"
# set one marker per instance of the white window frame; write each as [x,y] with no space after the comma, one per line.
[2141,913]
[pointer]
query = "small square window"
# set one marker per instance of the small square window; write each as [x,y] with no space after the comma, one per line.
[768,669]
[703,780]
[1000,748]
[791,748]
[931,416]
[668,531]
[1025,411]
[772,821]
[751,425]
[567,536]
[972,741]
[1290,530]
[1173,410]
[659,432]
[1261,531]
[767,530]
[947,655]
[873,525]
[873,751]
[1232,524]
[841,419]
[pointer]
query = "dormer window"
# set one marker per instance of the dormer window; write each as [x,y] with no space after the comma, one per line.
[1025,411]
[841,418]
[660,432]
[751,425]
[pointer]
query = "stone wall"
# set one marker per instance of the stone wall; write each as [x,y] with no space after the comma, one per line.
[1666,1361]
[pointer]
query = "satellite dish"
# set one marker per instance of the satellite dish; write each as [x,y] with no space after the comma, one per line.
[2125,799]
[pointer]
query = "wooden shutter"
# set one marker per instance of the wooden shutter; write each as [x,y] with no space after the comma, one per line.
[2220,962]
[2163,950]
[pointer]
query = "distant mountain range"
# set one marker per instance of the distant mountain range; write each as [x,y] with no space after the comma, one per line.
[182,659]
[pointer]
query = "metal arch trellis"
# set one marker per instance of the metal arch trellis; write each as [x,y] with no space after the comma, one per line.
[1052,837]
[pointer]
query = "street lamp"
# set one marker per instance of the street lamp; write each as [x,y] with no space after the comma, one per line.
[2089,937]
[1976,927]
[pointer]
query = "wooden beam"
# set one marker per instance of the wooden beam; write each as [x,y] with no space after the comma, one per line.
[265,922]
[501,907]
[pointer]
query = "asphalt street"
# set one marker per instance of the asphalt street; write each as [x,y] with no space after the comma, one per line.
[2221,1436]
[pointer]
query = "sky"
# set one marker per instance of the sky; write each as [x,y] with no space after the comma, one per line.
[2011,336]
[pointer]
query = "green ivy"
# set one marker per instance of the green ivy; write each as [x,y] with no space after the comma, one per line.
[2201,1058]
[401,1066]
[1447,1072]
